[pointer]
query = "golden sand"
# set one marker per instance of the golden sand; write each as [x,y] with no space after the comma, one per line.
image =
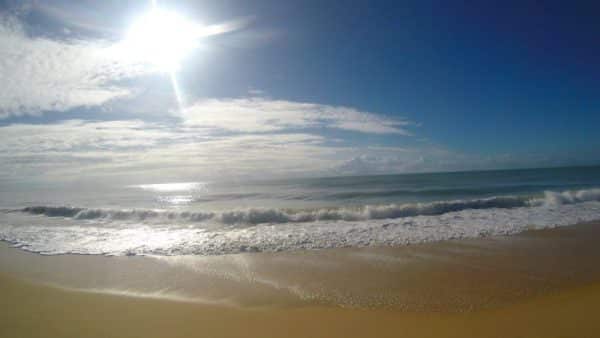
[37,311]
[537,284]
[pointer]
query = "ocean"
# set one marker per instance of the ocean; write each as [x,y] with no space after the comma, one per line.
[215,218]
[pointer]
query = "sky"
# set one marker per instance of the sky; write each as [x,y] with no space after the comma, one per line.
[265,89]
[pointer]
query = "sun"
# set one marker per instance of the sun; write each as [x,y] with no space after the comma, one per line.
[162,38]
[159,40]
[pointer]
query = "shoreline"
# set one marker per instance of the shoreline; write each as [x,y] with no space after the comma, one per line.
[447,276]
[540,283]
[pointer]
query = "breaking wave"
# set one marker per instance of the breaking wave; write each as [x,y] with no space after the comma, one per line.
[256,216]
[157,232]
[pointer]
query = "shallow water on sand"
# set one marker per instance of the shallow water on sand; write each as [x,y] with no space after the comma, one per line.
[455,276]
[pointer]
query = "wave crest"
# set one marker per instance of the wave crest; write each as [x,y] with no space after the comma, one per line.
[270,215]
[552,198]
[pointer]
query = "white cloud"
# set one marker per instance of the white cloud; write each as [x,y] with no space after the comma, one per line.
[141,150]
[77,135]
[134,148]
[264,115]
[40,74]
[137,151]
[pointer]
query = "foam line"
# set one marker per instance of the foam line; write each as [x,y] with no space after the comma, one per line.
[255,216]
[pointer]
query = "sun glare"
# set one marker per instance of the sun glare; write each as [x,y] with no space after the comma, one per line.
[162,38]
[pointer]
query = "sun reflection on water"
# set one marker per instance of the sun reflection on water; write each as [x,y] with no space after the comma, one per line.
[174,187]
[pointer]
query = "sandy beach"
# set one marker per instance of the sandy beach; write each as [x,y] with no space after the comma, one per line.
[313,169]
[537,284]
[37,311]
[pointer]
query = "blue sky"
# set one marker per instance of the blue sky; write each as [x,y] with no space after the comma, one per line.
[300,88]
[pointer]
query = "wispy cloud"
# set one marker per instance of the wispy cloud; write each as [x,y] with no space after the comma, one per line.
[264,115]
[137,148]
[134,150]
[76,16]
[41,74]
[78,135]
[213,137]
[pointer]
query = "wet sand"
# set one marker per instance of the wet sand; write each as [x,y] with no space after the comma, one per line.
[536,284]
[37,311]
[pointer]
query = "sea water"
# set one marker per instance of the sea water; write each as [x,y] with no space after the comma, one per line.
[232,216]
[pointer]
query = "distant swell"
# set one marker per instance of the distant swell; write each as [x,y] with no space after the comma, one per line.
[362,213]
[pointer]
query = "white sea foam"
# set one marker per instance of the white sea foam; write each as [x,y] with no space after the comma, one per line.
[60,230]
[271,215]
[568,197]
